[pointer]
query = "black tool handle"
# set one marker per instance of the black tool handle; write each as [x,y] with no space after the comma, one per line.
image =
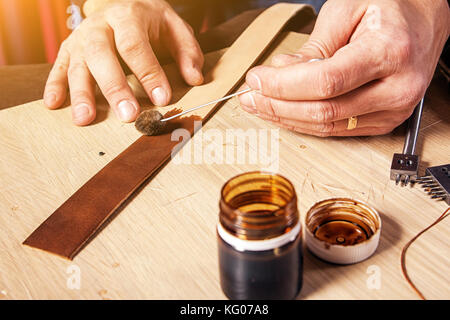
[413,129]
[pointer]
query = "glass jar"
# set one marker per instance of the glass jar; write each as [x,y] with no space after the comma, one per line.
[259,235]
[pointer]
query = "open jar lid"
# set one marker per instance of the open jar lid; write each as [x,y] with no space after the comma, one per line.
[342,230]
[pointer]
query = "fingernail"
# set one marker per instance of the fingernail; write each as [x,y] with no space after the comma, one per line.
[127,111]
[253,81]
[198,75]
[159,96]
[50,99]
[247,99]
[80,112]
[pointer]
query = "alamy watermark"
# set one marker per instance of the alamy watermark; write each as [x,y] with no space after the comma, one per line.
[75,17]
[74,277]
[259,147]
[373,281]
[373,13]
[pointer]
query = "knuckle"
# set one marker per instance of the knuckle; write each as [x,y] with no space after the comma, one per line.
[113,89]
[329,83]
[402,48]
[95,44]
[115,13]
[421,85]
[318,46]
[398,118]
[273,84]
[123,11]
[414,92]
[135,7]
[325,112]
[75,67]
[398,52]
[273,106]
[80,95]
[150,76]
[325,129]
[130,46]
[60,66]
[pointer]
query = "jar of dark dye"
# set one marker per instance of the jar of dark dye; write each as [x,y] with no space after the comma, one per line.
[259,235]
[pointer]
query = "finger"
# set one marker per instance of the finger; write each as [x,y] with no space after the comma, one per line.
[82,93]
[105,68]
[330,33]
[374,123]
[374,96]
[55,91]
[180,40]
[380,119]
[133,45]
[368,131]
[324,41]
[282,60]
[349,68]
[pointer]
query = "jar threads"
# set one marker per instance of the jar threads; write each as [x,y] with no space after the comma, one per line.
[342,230]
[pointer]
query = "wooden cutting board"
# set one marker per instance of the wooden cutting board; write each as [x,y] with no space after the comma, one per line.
[163,243]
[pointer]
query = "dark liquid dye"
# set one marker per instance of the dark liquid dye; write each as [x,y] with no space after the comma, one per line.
[343,232]
[341,226]
[261,275]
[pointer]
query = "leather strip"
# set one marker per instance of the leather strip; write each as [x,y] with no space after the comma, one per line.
[80,217]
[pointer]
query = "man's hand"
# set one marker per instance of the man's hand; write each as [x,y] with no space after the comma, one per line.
[131,27]
[379,58]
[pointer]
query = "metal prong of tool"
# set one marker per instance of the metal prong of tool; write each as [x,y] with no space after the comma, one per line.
[405,166]
[206,104]
[437,182]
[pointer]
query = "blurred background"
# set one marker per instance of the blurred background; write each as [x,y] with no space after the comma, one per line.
[31,31]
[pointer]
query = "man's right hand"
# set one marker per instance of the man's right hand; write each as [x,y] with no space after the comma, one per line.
[132,27]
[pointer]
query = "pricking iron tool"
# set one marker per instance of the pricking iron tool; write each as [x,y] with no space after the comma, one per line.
[405,166]
[436,182]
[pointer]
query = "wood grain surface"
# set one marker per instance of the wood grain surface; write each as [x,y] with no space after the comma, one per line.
[163,244]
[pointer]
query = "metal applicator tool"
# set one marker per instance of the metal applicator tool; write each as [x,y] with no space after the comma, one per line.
[152,122]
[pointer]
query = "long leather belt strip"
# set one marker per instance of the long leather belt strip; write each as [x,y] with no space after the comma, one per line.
[78,219]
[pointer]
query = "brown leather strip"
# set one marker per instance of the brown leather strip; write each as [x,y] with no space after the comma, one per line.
[78,219]
[67,230]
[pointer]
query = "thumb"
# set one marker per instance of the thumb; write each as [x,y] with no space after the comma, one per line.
[332,31]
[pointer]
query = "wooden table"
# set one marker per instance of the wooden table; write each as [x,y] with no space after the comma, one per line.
[162,245]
